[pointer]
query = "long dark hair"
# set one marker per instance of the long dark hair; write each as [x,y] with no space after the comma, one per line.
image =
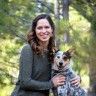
[33,40]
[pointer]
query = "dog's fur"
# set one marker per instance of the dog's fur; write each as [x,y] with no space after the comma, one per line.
[62,66]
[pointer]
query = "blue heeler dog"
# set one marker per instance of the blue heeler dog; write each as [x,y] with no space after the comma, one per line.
[61,67]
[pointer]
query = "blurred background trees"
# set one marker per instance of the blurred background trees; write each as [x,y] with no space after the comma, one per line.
[75,22]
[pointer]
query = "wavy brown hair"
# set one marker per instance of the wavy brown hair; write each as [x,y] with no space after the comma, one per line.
[33,40]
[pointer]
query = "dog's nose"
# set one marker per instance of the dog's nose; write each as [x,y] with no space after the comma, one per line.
[60,63]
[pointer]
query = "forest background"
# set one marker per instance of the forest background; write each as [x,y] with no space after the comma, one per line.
[75,22]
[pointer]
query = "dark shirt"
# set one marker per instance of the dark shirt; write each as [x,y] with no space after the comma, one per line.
[35,73]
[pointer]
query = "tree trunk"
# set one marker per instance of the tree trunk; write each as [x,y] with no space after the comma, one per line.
[65,14]
[65,9]
[57,17]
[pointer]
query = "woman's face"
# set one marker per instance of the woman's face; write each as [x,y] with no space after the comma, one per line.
[43,30]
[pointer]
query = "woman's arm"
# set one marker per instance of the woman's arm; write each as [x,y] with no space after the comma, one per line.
[26,82]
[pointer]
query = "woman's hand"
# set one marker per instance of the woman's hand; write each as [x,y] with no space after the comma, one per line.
[58,80]
[76,81]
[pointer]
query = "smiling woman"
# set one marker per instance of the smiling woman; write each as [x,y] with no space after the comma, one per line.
[36,62]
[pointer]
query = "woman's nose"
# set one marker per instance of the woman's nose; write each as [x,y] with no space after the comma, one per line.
[43,30]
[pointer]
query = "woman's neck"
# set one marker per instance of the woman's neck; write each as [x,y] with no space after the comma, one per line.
[44,44]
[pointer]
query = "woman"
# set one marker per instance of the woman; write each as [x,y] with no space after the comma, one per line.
[36,59]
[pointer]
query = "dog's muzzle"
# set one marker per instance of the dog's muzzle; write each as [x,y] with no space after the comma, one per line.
[60,66]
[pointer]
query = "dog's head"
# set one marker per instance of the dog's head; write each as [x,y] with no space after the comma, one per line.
[62,59]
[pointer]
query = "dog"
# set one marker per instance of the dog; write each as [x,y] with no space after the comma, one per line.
[62,66]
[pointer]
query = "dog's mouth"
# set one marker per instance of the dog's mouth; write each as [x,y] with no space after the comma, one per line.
[60,65]
[60,68]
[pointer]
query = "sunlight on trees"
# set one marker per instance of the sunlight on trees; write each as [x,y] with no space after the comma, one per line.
[15,19]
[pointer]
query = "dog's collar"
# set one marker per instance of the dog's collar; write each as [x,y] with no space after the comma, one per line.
[57,71]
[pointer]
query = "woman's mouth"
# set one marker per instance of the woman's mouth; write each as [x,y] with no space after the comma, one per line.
[44,35]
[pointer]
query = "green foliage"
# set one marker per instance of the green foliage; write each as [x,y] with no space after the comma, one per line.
[85,8]
[6,91]
[63,26]
[94,24]
[62,29]
[15,19]
[4,9]
[80,37]
[9,51]
[91,46]
[15,16]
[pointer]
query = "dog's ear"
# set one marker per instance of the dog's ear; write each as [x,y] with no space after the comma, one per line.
[55,50]
[71,51]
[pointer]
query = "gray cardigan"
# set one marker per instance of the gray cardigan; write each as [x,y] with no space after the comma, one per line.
[34,75]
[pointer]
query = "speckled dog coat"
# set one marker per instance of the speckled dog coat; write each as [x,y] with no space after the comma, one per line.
[60,67]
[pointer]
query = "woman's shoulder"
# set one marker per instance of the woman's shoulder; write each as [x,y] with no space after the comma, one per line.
[26,47]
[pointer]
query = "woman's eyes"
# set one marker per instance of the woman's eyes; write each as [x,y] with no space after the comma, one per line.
[46,27]
[39,28]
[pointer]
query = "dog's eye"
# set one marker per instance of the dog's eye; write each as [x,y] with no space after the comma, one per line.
[65,58]
[58,56]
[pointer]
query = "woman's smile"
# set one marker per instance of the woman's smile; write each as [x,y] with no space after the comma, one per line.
[44,35]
